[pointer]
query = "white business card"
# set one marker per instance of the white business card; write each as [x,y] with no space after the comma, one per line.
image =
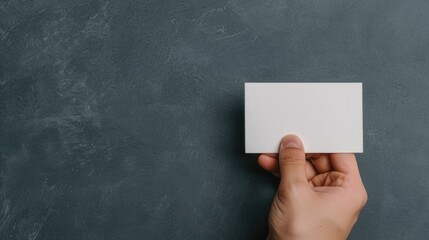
[326,116]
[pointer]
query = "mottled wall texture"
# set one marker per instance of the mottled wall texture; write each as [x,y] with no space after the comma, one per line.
[124,119]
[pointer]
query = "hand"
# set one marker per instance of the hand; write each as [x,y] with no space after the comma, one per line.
[316,199]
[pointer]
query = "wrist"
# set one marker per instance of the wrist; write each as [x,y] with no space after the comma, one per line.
[323,232]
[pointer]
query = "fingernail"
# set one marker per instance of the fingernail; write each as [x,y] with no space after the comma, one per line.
[290,141]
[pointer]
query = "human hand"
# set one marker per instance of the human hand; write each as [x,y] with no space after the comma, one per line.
[316,199]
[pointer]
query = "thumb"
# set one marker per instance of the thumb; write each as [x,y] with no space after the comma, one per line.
[292,161]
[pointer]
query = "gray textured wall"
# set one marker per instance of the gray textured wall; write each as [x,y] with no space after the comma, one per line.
[124,119]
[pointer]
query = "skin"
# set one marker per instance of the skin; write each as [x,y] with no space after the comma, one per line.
[319,196]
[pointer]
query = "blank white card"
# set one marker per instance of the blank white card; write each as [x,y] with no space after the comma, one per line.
[326,116]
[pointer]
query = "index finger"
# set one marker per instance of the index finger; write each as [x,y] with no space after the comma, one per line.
[344,162]
[273,155]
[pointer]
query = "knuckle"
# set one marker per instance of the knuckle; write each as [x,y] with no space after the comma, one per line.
[360,198]
[364,197]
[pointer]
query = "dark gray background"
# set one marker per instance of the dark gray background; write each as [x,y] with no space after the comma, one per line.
[124,119]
